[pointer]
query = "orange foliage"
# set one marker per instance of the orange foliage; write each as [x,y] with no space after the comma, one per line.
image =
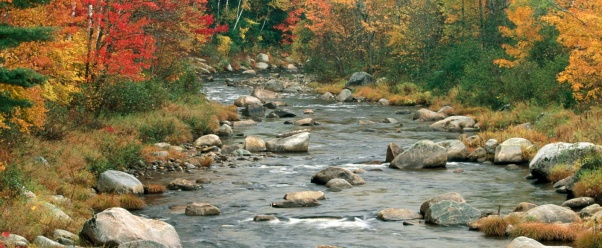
[526,32]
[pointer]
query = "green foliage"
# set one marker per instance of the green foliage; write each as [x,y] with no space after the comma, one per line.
[156,131]
[12,181]
[451,65]
[114,155]
[187,83]
[480,85]
[13,36]
[132,97]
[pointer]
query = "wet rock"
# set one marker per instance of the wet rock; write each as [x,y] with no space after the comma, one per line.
[512,167]
[208,140]
[249,72]
[274,105]
[115,226]
[491,145]
[524,242]
[253,110]
[305,122]
[263,94]
[579,203]
[318,195]
[255,144]
[447,110]
[557,154]
[203,180]
[428,115]
[397,214]
[551,213]
[327,96]
[511,151]
[423,154]
[201,209]
[478,155]
[244,123]
[224,131]
[296,143]
[392,151]
[456,150]
[448,212]
[563,182]
[327,174]
[359,79]
[308,112]
[403,112]
[344,96]
[338,183]
[244,101]
[365,122]
[590,210]
[263,217]
[524,207]
[112,181]
[390,120]
[451,196]
[299,203]
[383,102]
[182,184]
[291,133]
[284,113]
[453,124]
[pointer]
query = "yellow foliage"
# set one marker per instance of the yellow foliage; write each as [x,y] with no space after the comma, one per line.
[526,32]
[223,45]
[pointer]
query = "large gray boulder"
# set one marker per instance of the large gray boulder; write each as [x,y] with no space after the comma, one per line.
[224,131]
[428,115]
[264,94]
[295,143]
[253,110]
[208,140]
[112,181]
[116,226]
[262,57]
[557,154]
[344,96]
[579,202]
[244,101]
[524,242]
[456,150]
[201,209]
[551,213]
[451,196]
[423,154]
[397,214]
[338,184]
[359,79]
[255,144]
[393,150]
[325,175]
[446,213]
[275,85]
[511,151]
[453,124]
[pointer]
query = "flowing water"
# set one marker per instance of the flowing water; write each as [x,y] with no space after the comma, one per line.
[345,218]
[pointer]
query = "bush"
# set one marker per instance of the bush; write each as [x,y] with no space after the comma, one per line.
[156,131]
[132,97]
[589,183]
[589,240]
[131,202]
[12,180]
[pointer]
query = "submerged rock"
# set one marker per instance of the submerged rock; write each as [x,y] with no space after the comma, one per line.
[325,175]
[298,203]
[397,214]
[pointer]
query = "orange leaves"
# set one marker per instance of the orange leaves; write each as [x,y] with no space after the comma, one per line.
[526,32]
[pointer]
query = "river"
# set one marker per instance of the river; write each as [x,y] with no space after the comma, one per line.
[345,218]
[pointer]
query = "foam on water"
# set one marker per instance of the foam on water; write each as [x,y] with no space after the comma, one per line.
[332,222]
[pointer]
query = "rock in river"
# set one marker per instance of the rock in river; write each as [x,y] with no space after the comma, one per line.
[318,195]
[448,212]
[325,175]
[306,202]
[396,214]
[423,154]
[296,143]
[112,181]
[557,154]
[201,209]
[451,196]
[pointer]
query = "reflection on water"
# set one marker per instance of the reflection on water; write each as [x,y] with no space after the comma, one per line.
[345,218]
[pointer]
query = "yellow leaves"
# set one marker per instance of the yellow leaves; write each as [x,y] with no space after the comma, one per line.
[525,33]
[223,45]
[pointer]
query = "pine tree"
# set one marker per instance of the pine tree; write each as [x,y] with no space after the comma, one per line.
[11,36]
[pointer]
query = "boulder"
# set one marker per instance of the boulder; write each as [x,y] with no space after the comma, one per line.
[392,151]
[263,94]
[327,96]
[255,144]
[291,68]
[524,242]
[162,145]
[308,112]
[359,79]
[428,115]
[274,105]
[397,214]
[244,101]
[478,155]
[579,202]
[447,110]
[296,143]
[201,209]
[208,140]
[456,150]
[262,57]
[41,241]
[64,234]
[142,244]
[491,145]
[365,122]
[116,226]
[275,85]
[524,207]
[423,154]
[253,110]
[318,195]
[390,120]
[446,213]
[249,72]
[182,184]
[511,151]
[262,66]
[291,133]
[298,203]
[338,183]
[453,124]
[224,131]
[383,102]
[284,113]
[557,154]
[551,213]
[451,196]
[244,123]
[264,217]
[305,122]
[327,174]
[344,96]
[112,181]
[590,210]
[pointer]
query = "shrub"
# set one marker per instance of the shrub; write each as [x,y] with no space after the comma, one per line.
[154,189]
[131,202]
[156,131]
[130,97]
[101,202]
[589,240]
[493,226]
[559,172]
[589,183]
[12,180]
[546,232]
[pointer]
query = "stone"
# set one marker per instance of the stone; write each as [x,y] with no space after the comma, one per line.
[262,66]
[142,244]
[244,101]
[295,143]
[344,96]
[253,110]
[447,110]
[13,240]
[511,151]
[112,181]
[275,85]
[318,195]
[338,183]
[284,113]
[451,196]
[327,96]
[308,111]
[578,203]
[557,154]
[423,154]
[359,79]
[524,207]
[41,241]
[182,184]
[365,122]
[263,94]
[453,124]
[305,122]
[274,104]
[56,214]
[383,102]
[299,203]
[446,213]
[291,68]
[551,213]
[291,133]
[224,131]
[244,123]
[456,150]
[201,209]
[327,174]
[262,57]
[563,182]
[392,151]
[491,145]
[249,72]
[255,144]
[208,140]
[524,242]
[162,145]
[590,210]
[264,217]
[478,155]
[397,214]
[60,233]
[115,226]
[403,112]
[390,120]
[428,115]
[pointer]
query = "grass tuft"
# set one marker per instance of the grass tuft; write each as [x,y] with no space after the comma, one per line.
[546,232]
[493,226]
[589,184]
[154,189]
[589,240]
[131,202]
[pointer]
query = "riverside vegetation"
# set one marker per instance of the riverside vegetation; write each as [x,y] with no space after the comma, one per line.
[106,97]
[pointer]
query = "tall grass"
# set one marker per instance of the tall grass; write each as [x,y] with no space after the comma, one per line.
[547,232]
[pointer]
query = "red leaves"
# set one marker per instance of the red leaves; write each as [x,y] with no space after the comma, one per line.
[207,21]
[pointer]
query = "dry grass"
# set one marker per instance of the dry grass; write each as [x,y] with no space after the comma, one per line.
[589,183]
[148,154]
[547,232]
[589,240]
[206,161]
[493,226]
[101,202]
[30,219]
[154,189]
[131,202]
[559,172]
[334,88]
